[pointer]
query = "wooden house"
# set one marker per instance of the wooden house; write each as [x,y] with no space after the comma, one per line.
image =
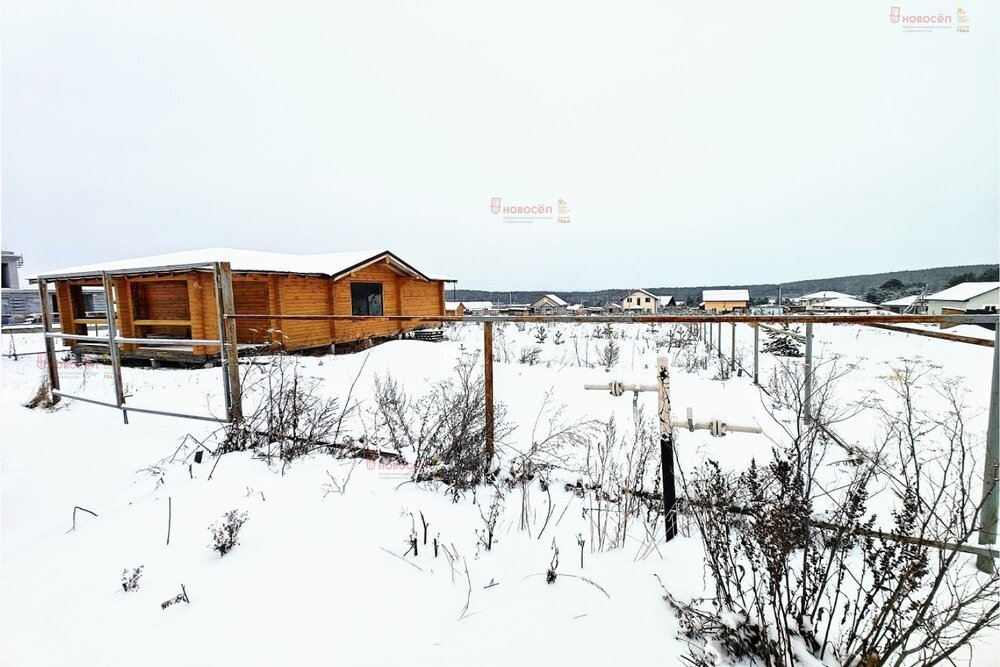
[176,296]
[724,300]
[639,301]
[454,308]
[549,304]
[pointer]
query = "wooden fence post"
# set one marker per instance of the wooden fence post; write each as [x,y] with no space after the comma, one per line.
[991,468]
[50,345]
[116,366]
[229,342]
[488,382]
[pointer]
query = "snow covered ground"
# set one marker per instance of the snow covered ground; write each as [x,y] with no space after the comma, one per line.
[321,578]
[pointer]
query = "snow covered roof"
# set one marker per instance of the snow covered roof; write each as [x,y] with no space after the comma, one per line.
[725,295]
[643,291]
[825,296]
[553,298]
[452,305]
[964,291]
[904,301]
[844,303]
[664,298]
[331,264]
[478,305]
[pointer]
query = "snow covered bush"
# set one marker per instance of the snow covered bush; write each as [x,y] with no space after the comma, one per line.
[444,429]
[623,480]
[530,355]
[610,354]
[487,534]
[805,570]
[782,343]
[226,531]
[541,334]
[285,415]
[42,397]
[130,579]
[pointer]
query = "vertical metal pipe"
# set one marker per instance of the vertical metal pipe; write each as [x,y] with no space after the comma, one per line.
[116,367]
[50,345]
[756,354]
[718,325]
[991,469]
[807,399]
[217,276]
[732,352]
[666,448]
[488,384]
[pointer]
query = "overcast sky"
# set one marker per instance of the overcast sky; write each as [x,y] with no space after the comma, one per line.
[694,143]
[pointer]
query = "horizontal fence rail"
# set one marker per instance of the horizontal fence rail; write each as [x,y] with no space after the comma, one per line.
[649,319]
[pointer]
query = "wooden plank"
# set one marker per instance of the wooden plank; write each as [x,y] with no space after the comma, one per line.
[197,310]
[274,302]
[164,323]
[331,309]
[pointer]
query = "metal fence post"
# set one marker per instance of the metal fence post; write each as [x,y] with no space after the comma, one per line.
[991,469]
[50,345]
[116,367]
[756,354]
[732,351]
[808,389]
[488,385]
[666,448]
[718,326]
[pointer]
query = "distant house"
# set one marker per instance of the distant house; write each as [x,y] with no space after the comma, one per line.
[844,304]
[913,304]
[577,309]
[479,307]
[23,305]
[963,297]
[666,301]
[515,309]
[9,264]
[468,307]
[767,309]
[639,301]
[807,300]
[724,300]
[549,304]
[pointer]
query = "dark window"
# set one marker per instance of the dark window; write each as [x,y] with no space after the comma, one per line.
[366,298]
[647,299]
